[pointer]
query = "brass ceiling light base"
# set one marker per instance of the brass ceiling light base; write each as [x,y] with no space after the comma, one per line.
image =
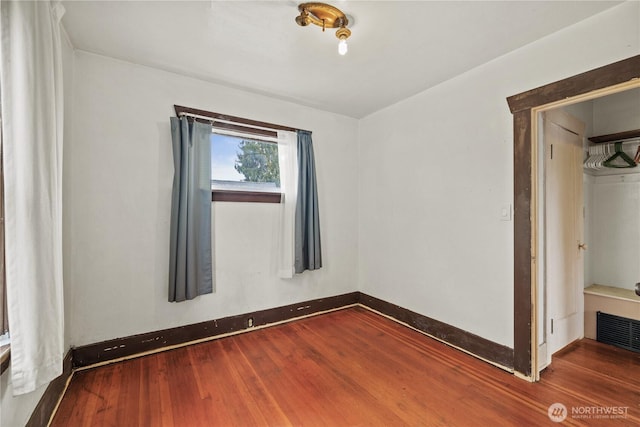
[322,15]
[325,16]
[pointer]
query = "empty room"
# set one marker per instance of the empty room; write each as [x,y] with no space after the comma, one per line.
[278,213]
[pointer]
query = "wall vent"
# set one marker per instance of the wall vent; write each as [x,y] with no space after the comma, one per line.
[619,331]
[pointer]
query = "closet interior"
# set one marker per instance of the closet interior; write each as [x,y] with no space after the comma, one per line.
[611,215]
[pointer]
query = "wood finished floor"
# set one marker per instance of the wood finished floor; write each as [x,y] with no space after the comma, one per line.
[347,368]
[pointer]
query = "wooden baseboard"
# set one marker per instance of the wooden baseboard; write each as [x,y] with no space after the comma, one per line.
[137,345]
[481,347]
[131,346]
[49,400]
[127,347]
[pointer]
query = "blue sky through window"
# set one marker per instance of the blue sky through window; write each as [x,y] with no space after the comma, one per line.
[224,151]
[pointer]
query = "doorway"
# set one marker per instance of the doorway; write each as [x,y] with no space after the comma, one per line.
[525,107]
[561,234]
[594,245]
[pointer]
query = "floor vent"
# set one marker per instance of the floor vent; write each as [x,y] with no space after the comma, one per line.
[619,331]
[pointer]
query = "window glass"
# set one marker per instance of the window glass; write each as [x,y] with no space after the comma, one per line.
[244,164]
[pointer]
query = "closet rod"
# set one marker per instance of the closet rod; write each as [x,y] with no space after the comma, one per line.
[631,141]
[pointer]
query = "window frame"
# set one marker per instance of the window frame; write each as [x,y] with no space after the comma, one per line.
[244,196]
[252,128]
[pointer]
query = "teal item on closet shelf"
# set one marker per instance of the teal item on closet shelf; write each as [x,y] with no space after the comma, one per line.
[620,153]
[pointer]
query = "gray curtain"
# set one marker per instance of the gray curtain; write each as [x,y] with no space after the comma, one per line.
[190,271]
[308,254]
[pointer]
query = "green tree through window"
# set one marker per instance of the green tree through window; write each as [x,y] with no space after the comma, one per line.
[258,161]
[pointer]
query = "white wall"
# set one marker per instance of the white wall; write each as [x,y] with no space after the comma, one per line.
[588,182]
[617,113]
[118,197]
[15,411]
[616,231]
[436,168]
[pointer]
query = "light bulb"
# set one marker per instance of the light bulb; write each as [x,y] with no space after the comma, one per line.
[342,47]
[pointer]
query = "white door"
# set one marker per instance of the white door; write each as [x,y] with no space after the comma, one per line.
[564,230]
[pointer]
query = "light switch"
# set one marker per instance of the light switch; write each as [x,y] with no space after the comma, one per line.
[505,213]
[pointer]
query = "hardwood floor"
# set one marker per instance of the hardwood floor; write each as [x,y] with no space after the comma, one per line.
[347,368]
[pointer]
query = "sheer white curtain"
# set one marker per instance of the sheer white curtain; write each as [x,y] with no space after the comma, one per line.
[288,162]
[32,108]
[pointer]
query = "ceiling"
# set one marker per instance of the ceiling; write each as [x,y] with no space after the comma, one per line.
[397,48]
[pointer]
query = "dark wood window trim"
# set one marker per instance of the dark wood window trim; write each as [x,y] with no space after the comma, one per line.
[267,129]
[521,106]
[245,196]
[259,130]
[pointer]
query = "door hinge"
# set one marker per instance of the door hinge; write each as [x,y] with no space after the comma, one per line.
[551,325]
[551,150]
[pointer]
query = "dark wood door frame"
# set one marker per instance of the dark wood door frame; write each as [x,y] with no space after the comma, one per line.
[523,106]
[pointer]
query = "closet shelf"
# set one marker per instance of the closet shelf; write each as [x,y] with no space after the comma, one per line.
[612,292]
[615,136]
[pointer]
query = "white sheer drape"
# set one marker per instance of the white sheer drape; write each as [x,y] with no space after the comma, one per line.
[32,108]
[288,163]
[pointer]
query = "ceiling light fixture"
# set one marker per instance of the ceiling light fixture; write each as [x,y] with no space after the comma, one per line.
[326,16]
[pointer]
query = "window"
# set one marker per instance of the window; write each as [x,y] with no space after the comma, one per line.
[244,168]
[244,157]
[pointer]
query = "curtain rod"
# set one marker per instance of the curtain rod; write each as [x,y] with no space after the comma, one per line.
[212,120]
[224,125]
[231,120]
[197,116]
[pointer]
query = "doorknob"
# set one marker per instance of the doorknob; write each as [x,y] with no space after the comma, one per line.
[582,246]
